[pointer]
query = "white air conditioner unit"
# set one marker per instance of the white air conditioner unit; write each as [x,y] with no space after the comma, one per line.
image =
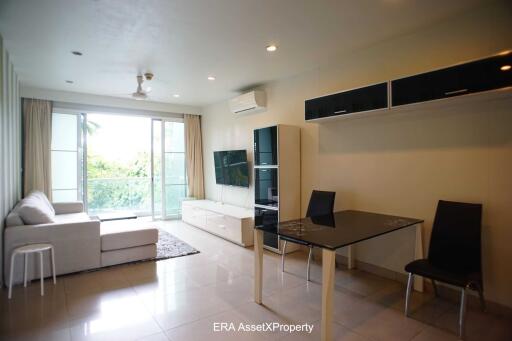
[248,103]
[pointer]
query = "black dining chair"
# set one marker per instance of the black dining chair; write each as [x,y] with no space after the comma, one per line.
[454,254]
[321,203]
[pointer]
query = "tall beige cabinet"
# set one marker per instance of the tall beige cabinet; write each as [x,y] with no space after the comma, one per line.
[276,179]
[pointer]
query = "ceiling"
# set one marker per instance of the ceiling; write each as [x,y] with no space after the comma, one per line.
[184,41]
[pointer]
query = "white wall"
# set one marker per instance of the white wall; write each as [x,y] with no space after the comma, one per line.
[10,140]
[401,162]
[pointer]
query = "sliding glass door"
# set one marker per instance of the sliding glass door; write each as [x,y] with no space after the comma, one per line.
[169,181]
[119,165]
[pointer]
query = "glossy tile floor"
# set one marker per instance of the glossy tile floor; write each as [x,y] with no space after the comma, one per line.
[182,298]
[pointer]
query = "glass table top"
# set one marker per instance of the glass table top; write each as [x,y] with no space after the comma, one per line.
[339,229]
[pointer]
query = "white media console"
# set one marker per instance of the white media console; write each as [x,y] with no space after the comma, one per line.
[230,222]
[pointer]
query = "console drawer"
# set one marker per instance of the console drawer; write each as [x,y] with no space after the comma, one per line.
[224,226]
[193,216]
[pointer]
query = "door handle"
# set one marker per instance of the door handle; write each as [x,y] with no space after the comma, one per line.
[454,92]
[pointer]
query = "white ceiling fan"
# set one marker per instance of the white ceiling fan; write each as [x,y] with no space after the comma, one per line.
[141,93]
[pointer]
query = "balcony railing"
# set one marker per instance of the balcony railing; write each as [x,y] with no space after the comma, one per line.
[119,194]
[106,195]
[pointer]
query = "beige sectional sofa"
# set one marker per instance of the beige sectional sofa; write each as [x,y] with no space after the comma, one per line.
[80,242]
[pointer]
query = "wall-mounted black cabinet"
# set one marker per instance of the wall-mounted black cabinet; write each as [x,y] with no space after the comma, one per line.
[481,75]
[369,98]
[468,78]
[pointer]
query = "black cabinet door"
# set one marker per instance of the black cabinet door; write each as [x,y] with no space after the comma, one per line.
[481,75]
[488,74]
[358,100]
[266,187]
[265,146]
[265,216]
[270,239]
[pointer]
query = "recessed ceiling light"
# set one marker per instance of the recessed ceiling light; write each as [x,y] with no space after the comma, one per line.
[271,48]
[211,78]
[505,68]
[69,82]
[176,95]
[77,53]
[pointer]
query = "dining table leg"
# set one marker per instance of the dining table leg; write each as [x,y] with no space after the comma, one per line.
[328,272]
[258,265]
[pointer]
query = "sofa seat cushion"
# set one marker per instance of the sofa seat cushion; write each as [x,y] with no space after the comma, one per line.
[123,234]
[71,218]
[131,254]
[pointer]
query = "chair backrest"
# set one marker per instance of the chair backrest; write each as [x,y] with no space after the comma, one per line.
[455,244]
[320,203]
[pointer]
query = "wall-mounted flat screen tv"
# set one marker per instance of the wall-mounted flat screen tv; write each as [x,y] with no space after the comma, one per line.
[231,168]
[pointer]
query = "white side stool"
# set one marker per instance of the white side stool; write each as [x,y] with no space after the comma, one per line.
[25,251]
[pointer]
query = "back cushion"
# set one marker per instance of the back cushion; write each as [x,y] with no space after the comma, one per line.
[41,196]
[13,219]
[34,209]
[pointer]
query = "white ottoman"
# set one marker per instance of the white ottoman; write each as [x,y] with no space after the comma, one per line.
[124,241]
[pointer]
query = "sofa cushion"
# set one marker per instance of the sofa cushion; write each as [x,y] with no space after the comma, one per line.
[123,234]
[127,255]
[13,219]
[33,210]
[41,196]
[71,218]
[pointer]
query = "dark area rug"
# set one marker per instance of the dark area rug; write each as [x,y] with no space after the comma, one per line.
[169,246]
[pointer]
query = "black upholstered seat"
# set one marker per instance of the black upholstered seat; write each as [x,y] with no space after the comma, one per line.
[424,268]
[454,255]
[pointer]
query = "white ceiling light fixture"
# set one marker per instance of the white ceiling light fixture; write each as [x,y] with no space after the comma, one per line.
[211,78]
[176,95]
[271,48]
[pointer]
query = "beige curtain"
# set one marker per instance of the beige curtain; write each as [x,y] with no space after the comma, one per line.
[194,156]
[37,129]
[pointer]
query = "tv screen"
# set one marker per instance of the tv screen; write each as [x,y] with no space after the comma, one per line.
[231,168]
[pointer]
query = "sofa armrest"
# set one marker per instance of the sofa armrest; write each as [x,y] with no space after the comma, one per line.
[68,207]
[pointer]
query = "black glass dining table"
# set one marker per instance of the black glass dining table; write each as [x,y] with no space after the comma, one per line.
[331,232]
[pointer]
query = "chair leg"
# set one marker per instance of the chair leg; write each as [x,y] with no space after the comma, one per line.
[434,285]
[309,262]
[25,270]
[462,314]
[52,254]
[408,293]
[282,256]
[41,272]
[11,274]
